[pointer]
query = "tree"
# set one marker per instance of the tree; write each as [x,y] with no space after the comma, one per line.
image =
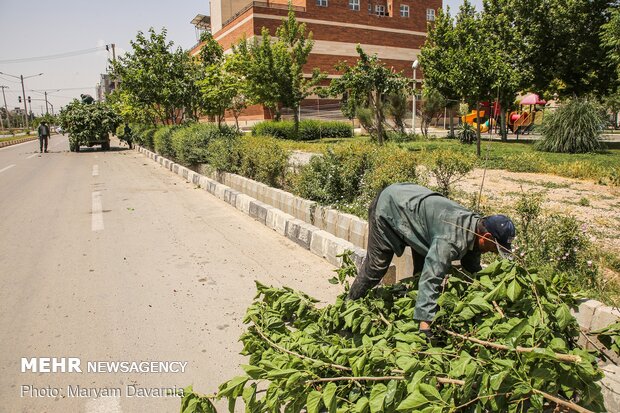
[561,46]
[157,78]
[295,47]
[215,97]
[367,84]
[434,103]
[610,38]
[274,70]
[259,67]
[505,57]
[455,58]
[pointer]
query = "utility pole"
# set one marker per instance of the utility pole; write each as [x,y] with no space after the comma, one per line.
[8,118]
[29,114]
[21,78]
[114,60]
[47,112]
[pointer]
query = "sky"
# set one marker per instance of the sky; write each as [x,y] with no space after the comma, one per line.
[38,28]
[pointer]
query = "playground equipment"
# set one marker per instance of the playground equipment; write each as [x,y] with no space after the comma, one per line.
[523,122]
[472,119]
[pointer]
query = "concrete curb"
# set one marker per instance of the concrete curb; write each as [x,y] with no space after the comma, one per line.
[283,218]
[16,141]
[316,228]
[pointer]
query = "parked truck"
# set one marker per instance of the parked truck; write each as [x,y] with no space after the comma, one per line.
[88,123]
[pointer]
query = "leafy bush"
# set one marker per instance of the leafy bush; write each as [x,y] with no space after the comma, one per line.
[398,137]
[224,153]
[389,165]
[467,134]
[162,141]
[308,129]
[448,167]
[575,127]
[190,143]
[263,159]
[336,175]
[504,341]
[143,136]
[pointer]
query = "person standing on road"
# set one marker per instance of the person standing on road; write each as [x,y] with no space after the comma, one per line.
[127,137]
[438,231]
[44,134]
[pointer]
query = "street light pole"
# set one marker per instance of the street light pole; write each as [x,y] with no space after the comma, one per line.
[415,65]
[21,78]
[8,117]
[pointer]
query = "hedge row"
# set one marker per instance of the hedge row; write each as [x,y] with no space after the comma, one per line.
[308,129]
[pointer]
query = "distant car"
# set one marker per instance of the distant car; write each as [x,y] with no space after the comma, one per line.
[59,129]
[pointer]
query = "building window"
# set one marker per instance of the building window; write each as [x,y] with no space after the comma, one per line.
[404,10]
[321,3]
[380,10]
[354,5]
[430,15]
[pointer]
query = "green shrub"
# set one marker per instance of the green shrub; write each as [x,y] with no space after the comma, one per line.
[308,129]
[162,141]
[467,134]
[336,175]
[144,136]
[398,137]
[575,127]
[448,167]
[389,165]
[190,144]
[263,159]
[224,153]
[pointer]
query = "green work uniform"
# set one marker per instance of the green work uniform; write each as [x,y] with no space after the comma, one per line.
[437,229]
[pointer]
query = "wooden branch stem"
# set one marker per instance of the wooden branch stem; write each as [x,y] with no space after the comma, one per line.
[569,358]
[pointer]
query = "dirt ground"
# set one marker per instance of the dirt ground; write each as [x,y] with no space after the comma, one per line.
[597,206]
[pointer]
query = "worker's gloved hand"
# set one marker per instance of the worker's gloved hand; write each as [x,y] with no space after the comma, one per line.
[360,287]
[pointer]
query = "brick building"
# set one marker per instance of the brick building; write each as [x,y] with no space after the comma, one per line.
[393,29]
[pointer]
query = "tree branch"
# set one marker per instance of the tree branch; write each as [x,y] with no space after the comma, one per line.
[301,356]
[562,402]
[569,358]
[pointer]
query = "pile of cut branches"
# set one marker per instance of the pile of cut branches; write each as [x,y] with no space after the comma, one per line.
[504,341]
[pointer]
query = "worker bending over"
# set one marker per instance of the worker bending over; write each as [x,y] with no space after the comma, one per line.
[438,231]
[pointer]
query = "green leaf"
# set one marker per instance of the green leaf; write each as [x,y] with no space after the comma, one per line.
[329,397]
[230,386]
[313,402]
[362,405]
[563,316]
[377,397]
[253,371]
[430,392]
[513,292]
[413,402]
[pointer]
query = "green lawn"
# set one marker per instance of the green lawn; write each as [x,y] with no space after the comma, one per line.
[12,138]
[511,156]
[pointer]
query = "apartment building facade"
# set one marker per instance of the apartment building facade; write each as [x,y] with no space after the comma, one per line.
[395,30]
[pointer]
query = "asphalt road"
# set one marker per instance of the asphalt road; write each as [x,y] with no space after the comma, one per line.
[105,256]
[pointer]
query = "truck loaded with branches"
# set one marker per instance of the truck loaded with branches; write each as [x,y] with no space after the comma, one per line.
[88,123]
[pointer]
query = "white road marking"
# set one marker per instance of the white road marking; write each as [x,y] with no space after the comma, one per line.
[32,156]
[7,168]
[96,223]
[95,170]
[104,405]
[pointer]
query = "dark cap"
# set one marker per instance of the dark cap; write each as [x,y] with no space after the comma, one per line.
[502,229]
